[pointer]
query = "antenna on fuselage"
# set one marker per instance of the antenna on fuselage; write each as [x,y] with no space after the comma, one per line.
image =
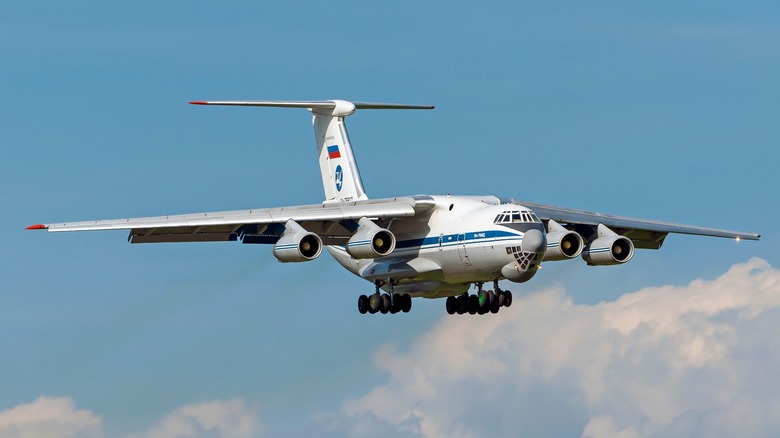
[340,175]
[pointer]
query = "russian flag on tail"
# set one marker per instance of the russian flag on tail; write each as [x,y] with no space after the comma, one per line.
[333,152]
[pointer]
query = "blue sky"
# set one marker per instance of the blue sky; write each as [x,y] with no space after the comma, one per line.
[663,110]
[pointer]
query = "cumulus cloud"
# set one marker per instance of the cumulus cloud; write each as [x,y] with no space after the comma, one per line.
[57,417]
[697,360]
[227,419]
[49,417]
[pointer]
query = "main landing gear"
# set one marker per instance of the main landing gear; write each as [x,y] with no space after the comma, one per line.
[480,303]
[384,302]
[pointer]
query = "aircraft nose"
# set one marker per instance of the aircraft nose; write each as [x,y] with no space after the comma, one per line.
[534,241]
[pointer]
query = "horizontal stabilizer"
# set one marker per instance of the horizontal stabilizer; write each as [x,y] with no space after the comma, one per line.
[316,104]
[338,166]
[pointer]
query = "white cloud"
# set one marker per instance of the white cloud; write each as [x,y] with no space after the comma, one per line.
[227,419]
[698,360]
[57,417]
[49,417]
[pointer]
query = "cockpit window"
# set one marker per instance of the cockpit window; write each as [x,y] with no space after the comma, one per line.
[517,217]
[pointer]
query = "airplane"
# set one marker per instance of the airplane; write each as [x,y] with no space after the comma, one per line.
[410,246]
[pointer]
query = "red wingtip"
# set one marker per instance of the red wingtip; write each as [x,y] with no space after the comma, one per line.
[199,102]
[37,227]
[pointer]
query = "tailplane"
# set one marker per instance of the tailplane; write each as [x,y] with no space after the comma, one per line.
[340,175]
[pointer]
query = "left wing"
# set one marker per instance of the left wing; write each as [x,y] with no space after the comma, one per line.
[646,234]
[334,222]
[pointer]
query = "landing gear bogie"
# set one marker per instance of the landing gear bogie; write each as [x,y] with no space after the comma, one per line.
[481,303]
[382,303]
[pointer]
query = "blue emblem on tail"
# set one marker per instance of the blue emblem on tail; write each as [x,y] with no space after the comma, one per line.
[339,177]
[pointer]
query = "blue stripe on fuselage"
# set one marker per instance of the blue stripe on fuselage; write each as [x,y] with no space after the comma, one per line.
[452,239]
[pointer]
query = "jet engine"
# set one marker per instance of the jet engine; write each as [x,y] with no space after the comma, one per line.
[562,244]
[297,244]
[609,248]
[370,241]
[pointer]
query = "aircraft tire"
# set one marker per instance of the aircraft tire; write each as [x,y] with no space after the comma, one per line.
[406,303]
[385,306]
[473,304]
[483,298]
[452,305]
[494,307]
[398,302]
[374,303]
[363,305]
[501,299]
[508,299]
[462,305]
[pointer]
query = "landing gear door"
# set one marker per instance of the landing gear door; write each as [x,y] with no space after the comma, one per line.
[464,256]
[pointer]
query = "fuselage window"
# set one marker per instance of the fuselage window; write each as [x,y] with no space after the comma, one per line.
[516,217]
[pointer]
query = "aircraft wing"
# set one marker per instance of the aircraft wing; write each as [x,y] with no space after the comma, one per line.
[647,234]
[334,222]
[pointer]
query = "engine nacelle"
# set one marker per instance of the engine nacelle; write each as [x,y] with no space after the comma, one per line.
[370,241]
[297,244]
[609,248]
[562,244]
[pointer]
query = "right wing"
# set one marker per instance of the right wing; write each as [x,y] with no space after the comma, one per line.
[647,234]
[333,222]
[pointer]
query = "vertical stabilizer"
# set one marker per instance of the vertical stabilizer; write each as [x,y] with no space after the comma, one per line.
[340,174]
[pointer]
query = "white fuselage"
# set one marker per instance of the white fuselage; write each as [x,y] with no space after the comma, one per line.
[454,244]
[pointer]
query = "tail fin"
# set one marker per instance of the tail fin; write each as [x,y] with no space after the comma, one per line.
[340,175]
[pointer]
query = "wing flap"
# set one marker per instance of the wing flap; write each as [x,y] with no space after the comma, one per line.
[196,237]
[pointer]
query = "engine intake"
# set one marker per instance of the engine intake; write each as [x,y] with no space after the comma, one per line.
[562,244]
[297,244]
[609,248]
[370,241]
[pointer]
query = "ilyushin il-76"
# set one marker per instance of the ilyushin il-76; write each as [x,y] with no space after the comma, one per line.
[412,246]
